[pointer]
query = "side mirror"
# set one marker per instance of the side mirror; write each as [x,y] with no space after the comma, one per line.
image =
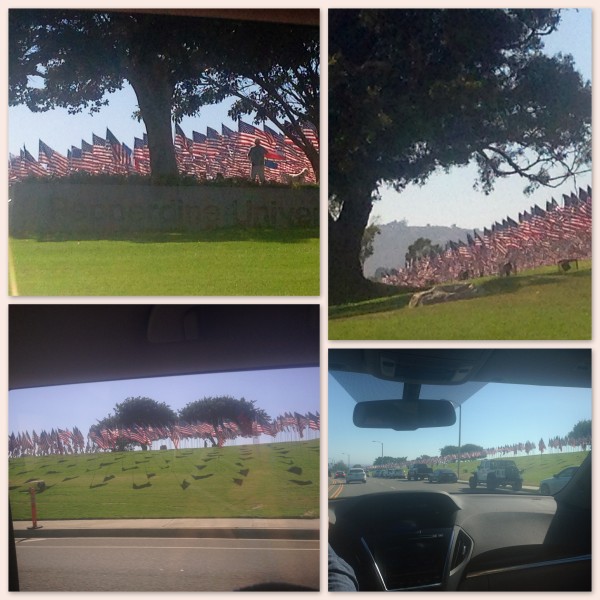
[404,415]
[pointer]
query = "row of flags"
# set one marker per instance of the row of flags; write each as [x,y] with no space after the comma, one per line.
[57,441]
[539,237]
[65,441]
[555,443]
[207,155]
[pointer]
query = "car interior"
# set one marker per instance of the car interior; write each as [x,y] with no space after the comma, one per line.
[65,344]
[434,540]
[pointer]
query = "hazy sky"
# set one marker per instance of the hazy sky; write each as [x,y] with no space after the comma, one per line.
[496,415]
[450,199]
[275,391]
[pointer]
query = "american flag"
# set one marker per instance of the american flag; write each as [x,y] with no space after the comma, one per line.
[30,166]
[119,158]
[184,152]
[214,152]
[199,151]
[141,156]
[88,160]
[55,163]
[103,154]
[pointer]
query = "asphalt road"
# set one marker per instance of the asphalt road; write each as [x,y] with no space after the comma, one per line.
[163,564]
[339,489]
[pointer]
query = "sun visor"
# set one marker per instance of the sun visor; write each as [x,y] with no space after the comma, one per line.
[363,387]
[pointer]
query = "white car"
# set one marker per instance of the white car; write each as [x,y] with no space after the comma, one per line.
[356,475]
[549,487]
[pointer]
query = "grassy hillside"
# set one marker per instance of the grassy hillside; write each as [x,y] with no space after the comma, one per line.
[264,480]
[540,304]
[535,467]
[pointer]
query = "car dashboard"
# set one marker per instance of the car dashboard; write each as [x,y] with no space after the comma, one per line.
[473,542]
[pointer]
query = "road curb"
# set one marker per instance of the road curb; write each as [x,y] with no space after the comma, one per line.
[230,533]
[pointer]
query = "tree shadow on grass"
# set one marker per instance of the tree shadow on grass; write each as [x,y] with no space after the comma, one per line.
[199,477]
[510,285]
[298,482]
[495,286]
[142,486]
[280,236]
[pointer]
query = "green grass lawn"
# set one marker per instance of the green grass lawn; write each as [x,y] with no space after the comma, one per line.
[541,304]
[535,467]
[216,263]
[277,480]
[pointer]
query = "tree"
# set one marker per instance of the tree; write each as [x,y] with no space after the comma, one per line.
[340,465]
[280,84]
[140,411]
[381,461]
[217,409]
[412,92]
[72,59]
[465,449]
[581,431]
[368,240]
[420,248]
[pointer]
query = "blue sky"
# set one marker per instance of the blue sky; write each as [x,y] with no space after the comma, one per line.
[498,414]
[275,391]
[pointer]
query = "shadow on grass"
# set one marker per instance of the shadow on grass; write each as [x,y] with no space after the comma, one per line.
[370,306]
[496,286]
[199,477]
[281,236]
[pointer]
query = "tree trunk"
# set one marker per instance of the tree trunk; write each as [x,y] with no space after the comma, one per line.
[154,93]
[313,157]
[346,280]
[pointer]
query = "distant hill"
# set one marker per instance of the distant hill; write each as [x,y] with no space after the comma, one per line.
[392,243]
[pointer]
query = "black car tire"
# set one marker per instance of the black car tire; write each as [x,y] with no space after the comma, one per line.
[472,482]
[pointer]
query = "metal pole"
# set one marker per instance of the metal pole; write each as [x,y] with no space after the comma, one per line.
[459,434]
[33,510]
[378,442]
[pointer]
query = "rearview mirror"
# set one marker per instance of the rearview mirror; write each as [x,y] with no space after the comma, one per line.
[403,415]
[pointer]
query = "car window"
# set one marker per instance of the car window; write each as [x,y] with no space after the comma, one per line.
[512,437]
[176,457]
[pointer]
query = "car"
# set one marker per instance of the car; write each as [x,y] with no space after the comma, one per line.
[425,401]
[419,471]
[56,345]
[443,476]
[497,473]
[358,475]
[549,487]
[339,475]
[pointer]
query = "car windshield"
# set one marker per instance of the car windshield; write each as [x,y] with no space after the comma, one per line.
[176,477]
[507,438]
